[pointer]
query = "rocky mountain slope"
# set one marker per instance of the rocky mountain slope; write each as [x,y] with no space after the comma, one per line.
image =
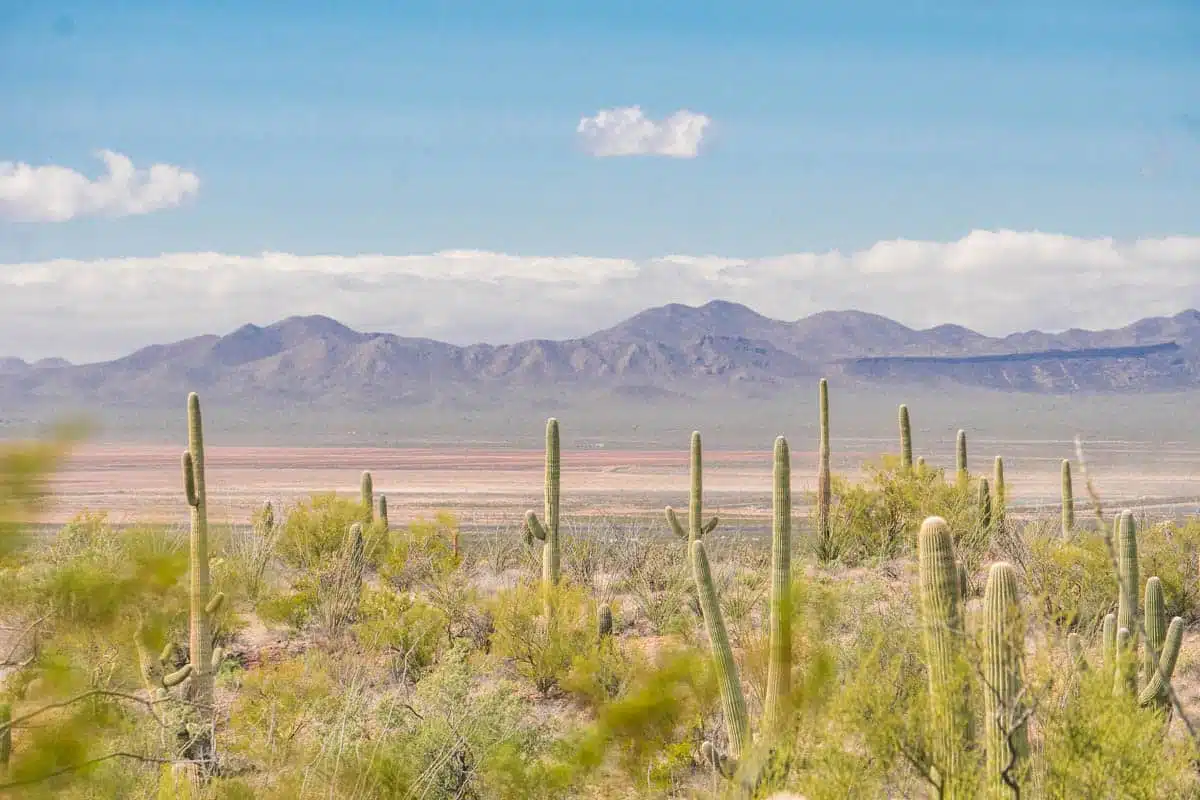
[668,351]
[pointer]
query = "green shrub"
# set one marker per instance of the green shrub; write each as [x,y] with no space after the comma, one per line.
[876,519]
[541,650]
[421,552]
[410,630]
[314,530]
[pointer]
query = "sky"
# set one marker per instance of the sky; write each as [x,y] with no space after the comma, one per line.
[492,170]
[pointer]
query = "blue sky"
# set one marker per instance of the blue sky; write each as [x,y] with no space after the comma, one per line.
[416,127]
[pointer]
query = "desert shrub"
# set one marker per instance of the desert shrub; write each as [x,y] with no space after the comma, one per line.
[313,530]
[1073,581]
[246,554]
[659,580]
[647,739]
[280,710]
[421,552]
[541,649]
[410,630]
[1098,745]
[878,518]
[601,674]
[454,737]
[294,606]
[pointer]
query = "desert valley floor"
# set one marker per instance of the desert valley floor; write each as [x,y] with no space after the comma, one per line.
[492,486]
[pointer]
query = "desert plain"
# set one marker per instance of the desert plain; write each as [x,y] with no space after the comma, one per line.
[489,487]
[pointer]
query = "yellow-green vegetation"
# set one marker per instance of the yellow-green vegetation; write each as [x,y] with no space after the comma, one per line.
[913,635]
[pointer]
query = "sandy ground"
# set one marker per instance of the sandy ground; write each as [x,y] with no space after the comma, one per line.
[486,486]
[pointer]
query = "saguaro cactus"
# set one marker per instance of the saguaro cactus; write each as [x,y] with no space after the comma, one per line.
[999,491]
[1068,501]
[366,489]
[548,532]
[202,607]
[383,513]
[1006,737]
[906,452]
[960,469]
[985,504]
[775,711]
[1121,631]
[941,618]
[733,702]
[824,479]
[779,668]
[696,527]
[1161,650]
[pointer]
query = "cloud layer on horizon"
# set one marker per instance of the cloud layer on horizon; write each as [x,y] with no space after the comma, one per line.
[627,131]
[53,193]
[996,282]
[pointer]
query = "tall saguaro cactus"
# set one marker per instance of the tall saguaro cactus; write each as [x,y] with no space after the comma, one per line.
[201,606]
[696,526]
[1121,631]
[1006,737]
[733,701]
[779,668]
[906,451]
[941,622]
[999,492]
[985,505]
[960,470]
[824,479]
[1068,501]
[366,490]
[547,532]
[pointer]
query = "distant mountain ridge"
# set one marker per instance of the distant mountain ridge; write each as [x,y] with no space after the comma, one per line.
[664,352]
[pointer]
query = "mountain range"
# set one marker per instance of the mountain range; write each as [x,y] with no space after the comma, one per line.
[671,351]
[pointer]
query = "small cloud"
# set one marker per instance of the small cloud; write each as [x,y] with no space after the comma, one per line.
[56,194]
[628,132]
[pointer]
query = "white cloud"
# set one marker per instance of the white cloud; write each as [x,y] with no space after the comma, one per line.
[55,194]
[996,282]
[629,132]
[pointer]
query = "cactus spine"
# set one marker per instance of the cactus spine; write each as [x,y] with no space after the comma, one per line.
[779,668]
[999,492]
[961,460]
[941,617]
[776,706]
[906,453]
[696,527]
[366,489]
[824,480]
[1006,737]
[1068,501]
[548,532]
